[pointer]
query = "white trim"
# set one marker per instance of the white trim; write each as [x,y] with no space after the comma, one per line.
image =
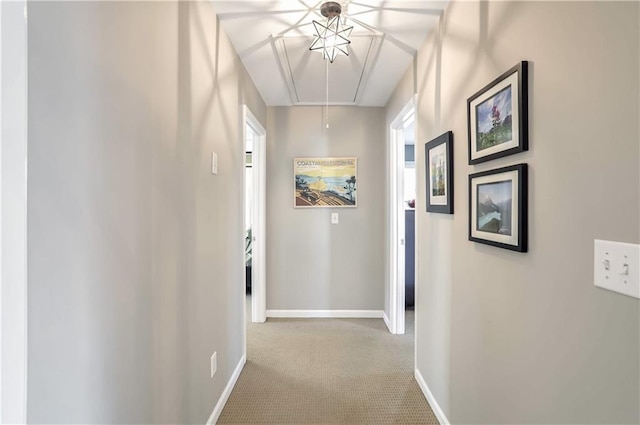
[243,180]
[437,410]
[394,236]
[222,401]
[14,213]
[1,138]
[396,218]
[258,272]
[329,314]
[386,320]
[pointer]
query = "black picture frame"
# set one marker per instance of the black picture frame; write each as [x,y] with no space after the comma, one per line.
[498,207]
[498,116]
[439,173]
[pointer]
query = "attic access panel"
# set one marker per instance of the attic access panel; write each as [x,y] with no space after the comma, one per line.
[305,70]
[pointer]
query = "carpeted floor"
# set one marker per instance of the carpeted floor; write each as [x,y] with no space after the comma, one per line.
[327,371]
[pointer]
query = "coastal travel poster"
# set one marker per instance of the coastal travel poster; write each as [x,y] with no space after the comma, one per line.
[325,182]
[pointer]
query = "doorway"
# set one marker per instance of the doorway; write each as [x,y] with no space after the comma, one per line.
[254,142]
[402,209]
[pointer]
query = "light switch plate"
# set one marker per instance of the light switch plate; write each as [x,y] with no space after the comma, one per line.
[214,363]
[616,267]
[335,218]
[214,163]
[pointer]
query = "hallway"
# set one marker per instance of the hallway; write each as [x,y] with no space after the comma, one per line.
[327,371]
[123,228]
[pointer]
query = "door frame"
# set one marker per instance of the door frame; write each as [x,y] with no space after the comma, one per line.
[396,219]
[13,216]
[258,257]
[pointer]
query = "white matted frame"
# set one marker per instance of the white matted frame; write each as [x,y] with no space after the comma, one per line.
[439,174]
[497,116]
[498,207]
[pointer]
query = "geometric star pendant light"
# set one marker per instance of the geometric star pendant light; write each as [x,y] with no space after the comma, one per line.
[331,38]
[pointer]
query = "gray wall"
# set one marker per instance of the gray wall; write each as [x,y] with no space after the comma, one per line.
[505,337]
[312,264]
[135,251]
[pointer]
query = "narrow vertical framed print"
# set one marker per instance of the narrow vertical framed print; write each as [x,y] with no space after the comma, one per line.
[439,169]
[498,207]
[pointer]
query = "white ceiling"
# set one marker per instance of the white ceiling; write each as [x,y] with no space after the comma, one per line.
[273,37]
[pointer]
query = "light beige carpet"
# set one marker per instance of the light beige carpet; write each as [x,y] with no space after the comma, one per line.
[327,371]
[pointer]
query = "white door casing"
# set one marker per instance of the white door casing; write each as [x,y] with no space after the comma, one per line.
[397,220]
[258,272]
[13,217]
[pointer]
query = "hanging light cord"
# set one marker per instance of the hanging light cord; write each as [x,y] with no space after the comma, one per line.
[327,111]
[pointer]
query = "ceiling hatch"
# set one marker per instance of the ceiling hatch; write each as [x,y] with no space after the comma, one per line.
[306,72]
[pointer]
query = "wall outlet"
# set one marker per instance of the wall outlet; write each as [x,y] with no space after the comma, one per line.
[214,363]
[335,218]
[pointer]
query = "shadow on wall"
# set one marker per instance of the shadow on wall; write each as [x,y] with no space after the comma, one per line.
[482,49]
[440,103]
[214,101]
[209,93]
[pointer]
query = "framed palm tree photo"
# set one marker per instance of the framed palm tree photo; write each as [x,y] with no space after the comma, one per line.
[439,164]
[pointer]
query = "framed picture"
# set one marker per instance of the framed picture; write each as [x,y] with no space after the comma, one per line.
[325,182]
[497,117]
[439,159]
[498,207]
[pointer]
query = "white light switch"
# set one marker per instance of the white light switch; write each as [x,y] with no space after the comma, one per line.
[335,218]
[214,363]
[214,163]
[617,267]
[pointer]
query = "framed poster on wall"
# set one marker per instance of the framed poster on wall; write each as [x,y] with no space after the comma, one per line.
[498,207]
[439,160]
[497,117]
[325,182]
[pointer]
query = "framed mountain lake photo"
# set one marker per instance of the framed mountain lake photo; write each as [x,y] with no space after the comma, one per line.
[497,117]
[498,207]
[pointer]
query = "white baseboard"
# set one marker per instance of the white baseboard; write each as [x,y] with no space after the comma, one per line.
[322,314]
[442,418]
[386,321]
[227,392]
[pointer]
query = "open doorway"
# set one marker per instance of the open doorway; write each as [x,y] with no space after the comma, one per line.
[402,216]
[409,204]
[254,140]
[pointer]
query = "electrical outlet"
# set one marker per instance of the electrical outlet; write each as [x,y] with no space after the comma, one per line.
[214,363]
